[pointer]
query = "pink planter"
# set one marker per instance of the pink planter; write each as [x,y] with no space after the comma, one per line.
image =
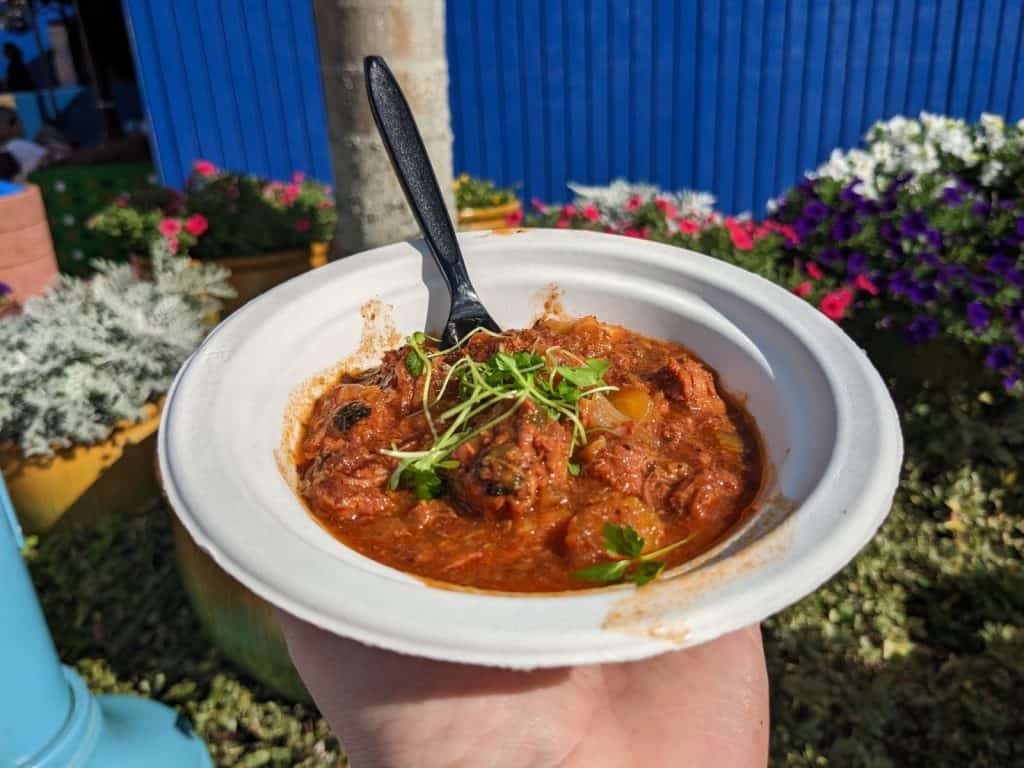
[27,261]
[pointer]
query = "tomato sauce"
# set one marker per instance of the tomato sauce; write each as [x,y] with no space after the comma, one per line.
[522,505]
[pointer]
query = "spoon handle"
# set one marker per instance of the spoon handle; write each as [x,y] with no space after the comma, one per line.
[405,148]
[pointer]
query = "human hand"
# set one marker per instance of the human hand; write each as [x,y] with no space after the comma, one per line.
[703,706]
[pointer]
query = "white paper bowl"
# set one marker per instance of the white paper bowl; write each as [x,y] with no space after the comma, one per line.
[831,433]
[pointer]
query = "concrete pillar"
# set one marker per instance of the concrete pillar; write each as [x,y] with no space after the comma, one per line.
[410,35]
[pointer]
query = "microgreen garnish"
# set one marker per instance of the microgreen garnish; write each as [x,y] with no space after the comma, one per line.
[624,544]
[512,377]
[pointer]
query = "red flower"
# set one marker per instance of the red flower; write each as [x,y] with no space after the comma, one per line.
[291,191]
[538,206]
[741,239]
[666,207]
[865,284]
[590,213]
[204,168]
[834,305]
[568,211]
[788,232]
[562,223]
[514,219]
[196,224]
[302,225]
[170,227]
[121,202]
[643,232]
[803,289]
[298,177]
[172,243]
[634,202]
[689,226]
[814,270]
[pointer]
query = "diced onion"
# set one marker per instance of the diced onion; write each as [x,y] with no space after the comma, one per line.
[730,441]
[597,412]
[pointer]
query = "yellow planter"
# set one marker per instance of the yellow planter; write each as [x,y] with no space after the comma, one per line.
[494,217]
[84,482]
[252,275]
[240,624]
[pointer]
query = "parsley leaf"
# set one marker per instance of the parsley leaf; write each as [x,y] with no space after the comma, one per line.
[622,540]
[574,469]
[414,363]
[588,375]
[424,482]
[647,571]
[604,573]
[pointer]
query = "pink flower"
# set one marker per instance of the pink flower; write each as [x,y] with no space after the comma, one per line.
[538,206]
[298,177]
[689,226]
[590,213]
[514,219]
[196,224]
[634,202]
[788,232]
[291,191]
[865,284]
[121,202]
[172,243]
[204,168]
[666,207]
[834,305]
[803,289]
[302,225]
[562,223]
[170,227]
[814,270]
[741,239]
[643,232]
[568,211]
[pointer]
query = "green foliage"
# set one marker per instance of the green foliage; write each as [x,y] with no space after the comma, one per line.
[220,215]
[480,193]
[89,353]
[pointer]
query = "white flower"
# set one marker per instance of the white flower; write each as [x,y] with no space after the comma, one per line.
[68,220]
[77,254]
[59,186]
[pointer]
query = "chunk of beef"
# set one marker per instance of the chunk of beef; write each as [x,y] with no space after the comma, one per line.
[349,415]
[707,495]
[348,485]
[686,381]
[622,465]
[506,473]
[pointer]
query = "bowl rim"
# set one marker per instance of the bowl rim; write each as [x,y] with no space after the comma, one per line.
[803,321]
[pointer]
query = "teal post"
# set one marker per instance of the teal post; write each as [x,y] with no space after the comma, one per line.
[48,717]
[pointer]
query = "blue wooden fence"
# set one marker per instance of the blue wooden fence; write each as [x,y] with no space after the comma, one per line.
[232,81]
[737,97]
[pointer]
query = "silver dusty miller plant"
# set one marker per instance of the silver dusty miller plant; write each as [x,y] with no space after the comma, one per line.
[89,353]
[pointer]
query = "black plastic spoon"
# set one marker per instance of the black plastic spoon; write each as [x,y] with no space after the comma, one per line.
[412,166]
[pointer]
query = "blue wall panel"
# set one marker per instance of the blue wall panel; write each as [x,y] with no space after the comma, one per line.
[737,97]
[236,82]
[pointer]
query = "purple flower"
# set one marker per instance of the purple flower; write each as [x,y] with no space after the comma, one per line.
[922,293]
[849,193]
[857,263]
[816,211]
[951,272]
[981,209]
[1020,226]
[865,207]
[930,258]
[889,233]
[1007,205]
[5,289]
[845,227]
[1015,312]
[978,315]
[1018,331]
[1015,277]
[1000,263]
[830,256]
[901,282]
[804,228]
[934,238]
[914,224]
[952,196]
[999,357]
[983,286]
[921,329]
[1011,378]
